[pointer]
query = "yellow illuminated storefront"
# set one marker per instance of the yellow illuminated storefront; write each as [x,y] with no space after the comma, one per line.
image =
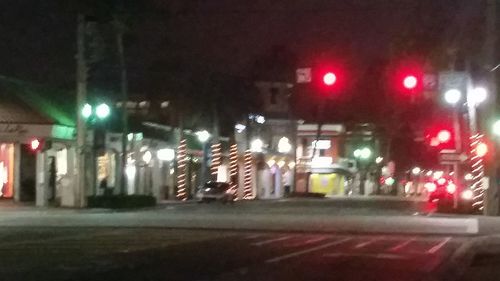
[329,184]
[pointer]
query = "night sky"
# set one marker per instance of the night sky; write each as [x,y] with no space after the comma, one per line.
[38,37]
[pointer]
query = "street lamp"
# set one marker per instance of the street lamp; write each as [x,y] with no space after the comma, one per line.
[86,111]
[203,136]
[416,171]
[452,96]
[102,111]
[477,96]
[256,145]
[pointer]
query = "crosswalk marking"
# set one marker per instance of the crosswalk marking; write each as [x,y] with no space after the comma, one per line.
[438,246]
[364,244]
[308,241]
[401,245]
[272,240]
[307,251]
[367,255]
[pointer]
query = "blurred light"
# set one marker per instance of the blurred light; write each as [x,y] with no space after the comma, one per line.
[437,174]
[357,153]
[102,111]
[203,136]
[365,153]
[451,173]
[281,163]
[429,173]
[130,171]
[430,187]
[477,96]
[468,177]
[408,186]
[35,144]
[329,78]
[410,82]
[416,171]
[291,165]
[271,162]
[130,137]
[434,142]
[467,194]
[86,111]
[166,154]
[441,181]
[322,144]
[260,119]
[284,145]
[444,136]
[172,171]
[321,161]
[481,149]
[379,160]
[496,128]
[451,188]
[389,181]
[147,156]
[256,145]
[239,127]
[452,96]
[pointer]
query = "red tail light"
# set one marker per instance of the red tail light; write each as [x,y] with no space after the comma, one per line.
[451,188]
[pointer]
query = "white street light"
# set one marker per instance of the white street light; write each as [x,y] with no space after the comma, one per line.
[203,136]
[416,171]
[452,96]
[379,160]
[102,111]
[147,156]
[165,154]
[365,153]
[256,145]
[284,145]
[477,96]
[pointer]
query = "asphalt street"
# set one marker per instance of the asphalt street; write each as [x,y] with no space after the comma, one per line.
[165,254]
[355,239]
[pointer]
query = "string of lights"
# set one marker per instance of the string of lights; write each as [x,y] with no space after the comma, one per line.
[248,194]
[216,158]
[233,167]
[477,171]
[181,170]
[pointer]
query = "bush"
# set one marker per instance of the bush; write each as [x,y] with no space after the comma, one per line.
[121,201]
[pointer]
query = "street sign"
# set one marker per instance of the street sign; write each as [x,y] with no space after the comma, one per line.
[448,156]
[304,75]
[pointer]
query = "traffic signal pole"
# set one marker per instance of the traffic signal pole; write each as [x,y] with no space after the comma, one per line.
[491,194]
[81,96]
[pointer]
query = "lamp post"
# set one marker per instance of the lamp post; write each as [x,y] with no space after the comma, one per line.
[203,137]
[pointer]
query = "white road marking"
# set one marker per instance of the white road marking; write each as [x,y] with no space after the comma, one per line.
[272,240]
[364,244]
[437,247]
[309,241]
[307,251]
[401,245]
[366,255]
[253,236]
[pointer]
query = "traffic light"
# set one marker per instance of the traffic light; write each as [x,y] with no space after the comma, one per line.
[410,82]
[329,79]
[444,136]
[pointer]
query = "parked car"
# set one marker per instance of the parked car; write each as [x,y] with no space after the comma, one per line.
[216,191]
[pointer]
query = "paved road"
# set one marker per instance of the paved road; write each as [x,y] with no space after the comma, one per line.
[166,254]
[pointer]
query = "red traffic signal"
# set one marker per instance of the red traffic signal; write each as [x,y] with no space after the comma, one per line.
[444,136]
[329,78]
[410,82]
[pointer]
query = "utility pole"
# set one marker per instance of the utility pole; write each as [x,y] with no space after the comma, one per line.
[81,96]
[124,91]
[491,194]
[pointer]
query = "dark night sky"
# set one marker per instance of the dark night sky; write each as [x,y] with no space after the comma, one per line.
[37,37]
